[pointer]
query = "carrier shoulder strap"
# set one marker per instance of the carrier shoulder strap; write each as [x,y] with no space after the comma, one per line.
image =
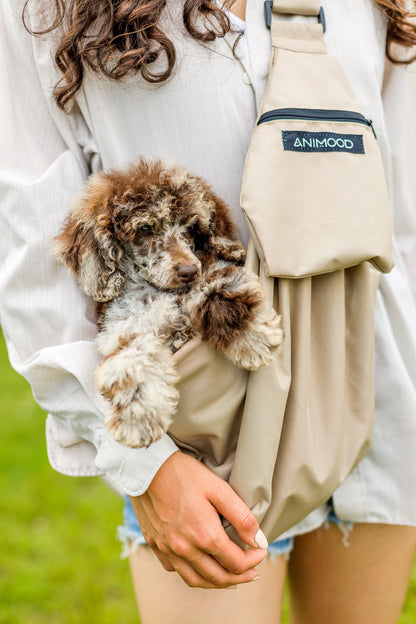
[292,35]
[297,7]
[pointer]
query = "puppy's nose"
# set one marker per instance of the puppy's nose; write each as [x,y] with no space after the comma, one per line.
[187,272]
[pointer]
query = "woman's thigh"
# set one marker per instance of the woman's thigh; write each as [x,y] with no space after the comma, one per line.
[358,579]
[163,598]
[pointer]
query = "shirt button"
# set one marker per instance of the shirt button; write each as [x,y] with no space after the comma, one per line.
[246,79]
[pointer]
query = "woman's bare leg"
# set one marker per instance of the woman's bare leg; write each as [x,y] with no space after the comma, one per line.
[364,582]
[163,598]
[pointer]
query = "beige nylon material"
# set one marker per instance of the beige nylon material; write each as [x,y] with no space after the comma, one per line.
[323,384]
[324,237]
[337,230]
[212,392]
[288,434]
[297,7]
[297,37]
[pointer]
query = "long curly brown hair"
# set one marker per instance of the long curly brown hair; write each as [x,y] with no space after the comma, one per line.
[127,38]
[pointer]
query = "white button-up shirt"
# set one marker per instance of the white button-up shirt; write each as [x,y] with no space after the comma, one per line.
[202,118]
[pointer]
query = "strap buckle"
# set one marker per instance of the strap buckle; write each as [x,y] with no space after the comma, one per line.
[268,15]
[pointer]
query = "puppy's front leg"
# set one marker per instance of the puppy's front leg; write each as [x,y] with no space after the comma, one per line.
[138,379]
[226,311]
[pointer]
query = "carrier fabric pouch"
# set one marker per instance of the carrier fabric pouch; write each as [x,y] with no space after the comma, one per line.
[287,435]
[314,191]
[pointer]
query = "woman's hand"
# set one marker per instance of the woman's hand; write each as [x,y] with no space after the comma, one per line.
[180,519]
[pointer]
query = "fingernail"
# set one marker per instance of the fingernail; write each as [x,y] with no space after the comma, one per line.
[256,578]
[231,587]
[261,540]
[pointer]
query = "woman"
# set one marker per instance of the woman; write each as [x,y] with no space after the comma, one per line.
[108,98]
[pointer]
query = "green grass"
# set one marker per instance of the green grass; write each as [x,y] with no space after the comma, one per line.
[59,558]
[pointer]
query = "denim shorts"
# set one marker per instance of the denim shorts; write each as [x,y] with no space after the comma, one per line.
[131,535]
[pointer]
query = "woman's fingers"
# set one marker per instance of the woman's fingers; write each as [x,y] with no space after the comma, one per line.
[204,571]
[211,553]
[180,518]
[230,556]
[197,568]
[230,505]
[164,560]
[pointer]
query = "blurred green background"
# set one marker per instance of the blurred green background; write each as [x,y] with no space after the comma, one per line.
[59,557]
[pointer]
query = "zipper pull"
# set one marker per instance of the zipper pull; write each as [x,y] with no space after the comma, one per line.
[372,128]
[268,12]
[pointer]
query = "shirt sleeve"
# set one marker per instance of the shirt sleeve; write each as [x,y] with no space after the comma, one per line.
[48,323]
[399,99]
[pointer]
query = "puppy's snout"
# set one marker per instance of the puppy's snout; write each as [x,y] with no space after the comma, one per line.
[186,272]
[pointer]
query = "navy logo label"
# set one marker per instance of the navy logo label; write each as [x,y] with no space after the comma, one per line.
[299,141]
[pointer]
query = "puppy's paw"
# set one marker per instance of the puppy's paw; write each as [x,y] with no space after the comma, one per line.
[142,397]
[133,427]
[140,422]
[256,346]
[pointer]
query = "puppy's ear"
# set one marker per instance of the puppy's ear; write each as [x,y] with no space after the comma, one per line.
[222,234]
[87,243]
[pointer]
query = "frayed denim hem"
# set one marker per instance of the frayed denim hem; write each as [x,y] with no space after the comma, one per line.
[343,526]
[280,547]
[130,540]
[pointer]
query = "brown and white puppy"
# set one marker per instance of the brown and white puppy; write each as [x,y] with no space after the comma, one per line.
[156,248]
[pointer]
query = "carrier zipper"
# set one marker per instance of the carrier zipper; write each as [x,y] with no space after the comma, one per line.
[315,115]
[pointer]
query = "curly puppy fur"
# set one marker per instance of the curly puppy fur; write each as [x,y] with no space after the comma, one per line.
[157,250]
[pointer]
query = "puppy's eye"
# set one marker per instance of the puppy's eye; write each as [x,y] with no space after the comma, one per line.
[199,238]
[144,230]
[193,229]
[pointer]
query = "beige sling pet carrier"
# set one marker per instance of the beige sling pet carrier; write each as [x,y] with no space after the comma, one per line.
[315,200]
